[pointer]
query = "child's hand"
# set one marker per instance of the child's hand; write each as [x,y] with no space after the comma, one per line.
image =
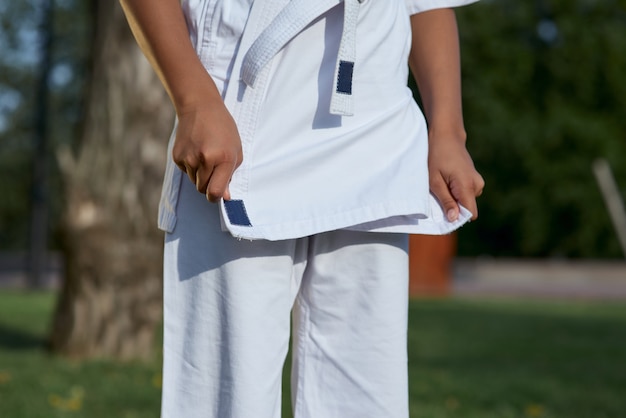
[453,178]
[208,148]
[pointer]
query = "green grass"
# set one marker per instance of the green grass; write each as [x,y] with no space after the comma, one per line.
[480,359]
[34,384]
[467,359]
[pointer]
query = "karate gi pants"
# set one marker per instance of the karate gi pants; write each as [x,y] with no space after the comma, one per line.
[227,321]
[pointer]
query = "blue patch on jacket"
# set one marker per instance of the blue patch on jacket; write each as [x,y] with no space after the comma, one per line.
[236,211]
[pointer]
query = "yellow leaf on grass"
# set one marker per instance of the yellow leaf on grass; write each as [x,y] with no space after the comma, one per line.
[157,380]
[5,377]
[535,410]
[452,403]
[72,403]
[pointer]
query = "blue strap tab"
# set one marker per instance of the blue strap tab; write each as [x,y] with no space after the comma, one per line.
[236,211]
[344,77]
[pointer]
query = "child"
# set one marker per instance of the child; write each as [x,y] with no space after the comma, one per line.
[294,119]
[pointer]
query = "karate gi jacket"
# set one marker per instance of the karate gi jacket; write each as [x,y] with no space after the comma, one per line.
[331,135]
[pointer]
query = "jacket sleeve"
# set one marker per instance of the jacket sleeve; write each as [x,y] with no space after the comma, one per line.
[417,6]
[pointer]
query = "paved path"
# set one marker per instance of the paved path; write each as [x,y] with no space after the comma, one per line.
[14,271]
[541,278]
[471,277]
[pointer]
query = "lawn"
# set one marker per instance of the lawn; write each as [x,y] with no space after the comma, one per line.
[475,358]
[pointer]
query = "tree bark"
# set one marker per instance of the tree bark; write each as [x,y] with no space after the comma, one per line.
[110,302]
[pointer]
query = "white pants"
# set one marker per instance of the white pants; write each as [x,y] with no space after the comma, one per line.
[227,321]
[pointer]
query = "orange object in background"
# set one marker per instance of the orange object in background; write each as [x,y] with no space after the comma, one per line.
[430,264]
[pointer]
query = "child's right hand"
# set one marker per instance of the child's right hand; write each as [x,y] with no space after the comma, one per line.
[207,145]
[208,148]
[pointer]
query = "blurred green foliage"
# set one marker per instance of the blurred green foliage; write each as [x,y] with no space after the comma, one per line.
[21,41]
[544,95]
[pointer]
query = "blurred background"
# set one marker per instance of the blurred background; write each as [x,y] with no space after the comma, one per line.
[520,314]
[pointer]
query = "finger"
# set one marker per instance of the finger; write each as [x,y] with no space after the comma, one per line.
[203,174]
[218,183]
[191,173]
[479,185]
[227,192]
[185,166]
[441,191]
[467,198]
[470,204]
[182,166]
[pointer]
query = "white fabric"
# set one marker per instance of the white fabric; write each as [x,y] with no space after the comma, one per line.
[305,169]
[291,20]
[418,6]
[227,305]
[341,103]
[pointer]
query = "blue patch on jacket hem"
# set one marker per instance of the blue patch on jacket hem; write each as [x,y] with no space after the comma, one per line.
[236,211]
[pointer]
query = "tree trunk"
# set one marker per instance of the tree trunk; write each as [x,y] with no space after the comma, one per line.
[110,303]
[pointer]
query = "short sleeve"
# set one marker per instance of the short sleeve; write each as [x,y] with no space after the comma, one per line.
[417,6]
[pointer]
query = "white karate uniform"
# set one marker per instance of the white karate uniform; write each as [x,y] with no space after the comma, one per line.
[227,321]
[334,150]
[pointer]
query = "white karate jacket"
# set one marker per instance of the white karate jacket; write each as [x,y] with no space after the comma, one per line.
[331,135]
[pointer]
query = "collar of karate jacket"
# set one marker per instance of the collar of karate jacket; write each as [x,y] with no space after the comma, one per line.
[291,20]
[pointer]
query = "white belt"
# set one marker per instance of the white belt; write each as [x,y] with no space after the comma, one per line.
[291,21]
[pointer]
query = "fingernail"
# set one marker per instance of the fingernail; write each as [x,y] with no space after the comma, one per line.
[451,215]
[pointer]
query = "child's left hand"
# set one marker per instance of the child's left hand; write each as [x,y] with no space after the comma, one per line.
[453,178]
